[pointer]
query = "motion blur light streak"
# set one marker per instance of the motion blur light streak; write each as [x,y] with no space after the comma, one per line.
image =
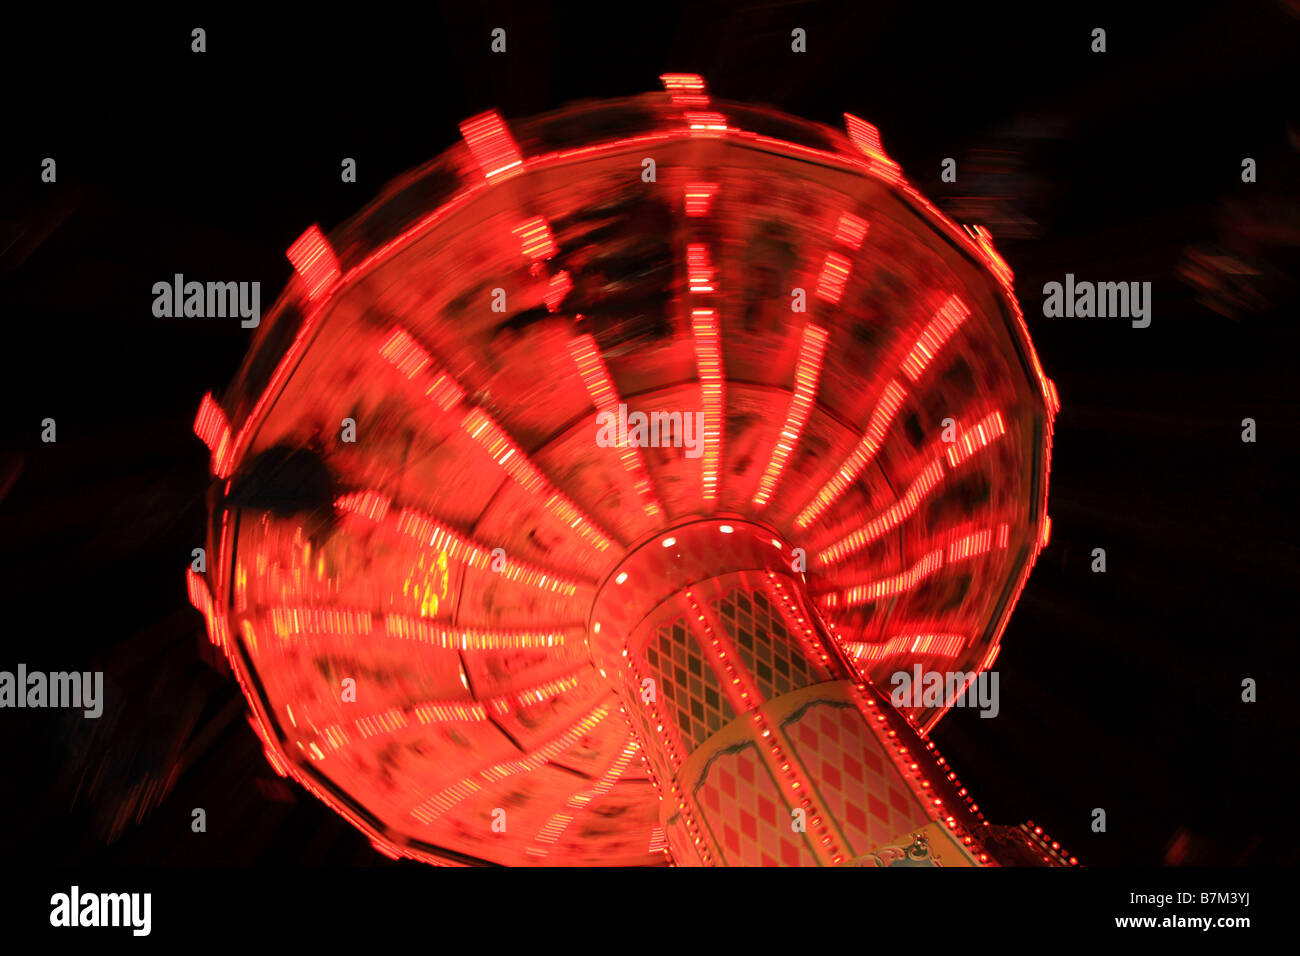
[806,374]
[486,638]
[313,259]
[491,144]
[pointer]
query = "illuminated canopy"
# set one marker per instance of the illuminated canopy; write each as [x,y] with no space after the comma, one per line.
[422,609]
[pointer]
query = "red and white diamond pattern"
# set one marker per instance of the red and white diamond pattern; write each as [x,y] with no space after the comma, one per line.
[749,819]
[857,781]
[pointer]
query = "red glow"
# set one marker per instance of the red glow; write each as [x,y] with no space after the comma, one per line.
[314,261]
[699,270]
[472,639]
[581,800]
[595,376]
[212,428]
[682,82]
[986,430]
[866,137]
[289,622]
[925,645]
[535,238]
[443,801]
[851,230]
[708,360]
[888,519]
[806,374]
[375,506]
[950,315]
[600,387]
[699,198]
[413,361]
[833,278]
[483,429]
[970,546]
[995,261]
[556,290]
[491,144]
[701,120]
[881,418]
[214,431]
[405,354]
[471,606]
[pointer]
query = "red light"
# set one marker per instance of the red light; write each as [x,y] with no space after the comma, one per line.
[535,238]
[925,645]
[469,638]
[368,504]
[483,429]
[950,315]
[898,583]
[986,430]
[881,419]
[289,622]
[866,137]
[682,82]
[586,355]
[850,230]
[214,431]
[556,290]
[439,537]
[996,263]
[314,261]
[491,144]
[500,674]
[1053,397]
[970,546]
[441,802]
[890,518]
[405,354]
[833,278]
[707,121]
[806,375]
[699,271]
[595,377]
[699,198]
[708,359]
[411,360]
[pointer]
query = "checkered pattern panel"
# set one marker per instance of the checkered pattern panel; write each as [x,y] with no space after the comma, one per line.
[767,649]
[858,784]
[748,818]
[687,685]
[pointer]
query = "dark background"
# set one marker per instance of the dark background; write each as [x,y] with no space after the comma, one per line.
[1119,691]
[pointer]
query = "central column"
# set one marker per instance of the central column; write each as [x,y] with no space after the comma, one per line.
[766,747]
